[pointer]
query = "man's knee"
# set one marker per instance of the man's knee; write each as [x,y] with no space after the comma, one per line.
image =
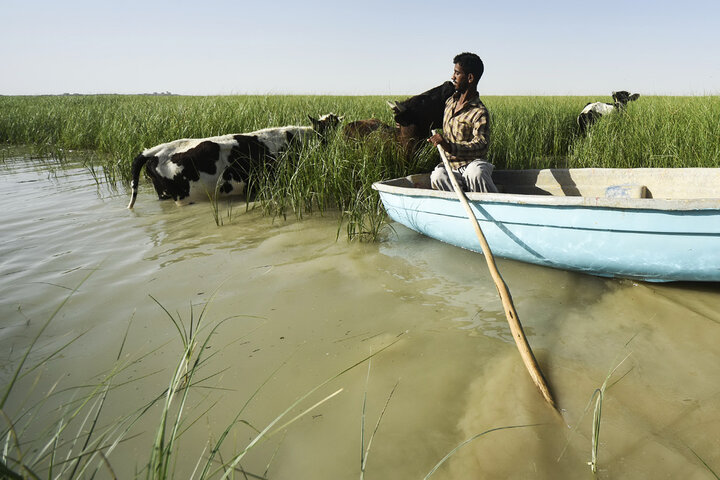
[438,173]
[478,177]
[478,168]
[439,179]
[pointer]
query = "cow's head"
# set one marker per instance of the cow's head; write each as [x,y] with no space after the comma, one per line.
[424,108]
[325,123]
[417,115]
[622,97]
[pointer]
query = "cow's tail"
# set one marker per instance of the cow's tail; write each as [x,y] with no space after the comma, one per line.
[137,165]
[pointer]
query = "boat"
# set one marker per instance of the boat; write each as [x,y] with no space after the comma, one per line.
[648,224]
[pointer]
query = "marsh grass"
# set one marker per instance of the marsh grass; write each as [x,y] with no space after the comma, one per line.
[78,444]
[527,132]
[365,451]
[598,396]
[707,467]
[452,452]
[77,418]
[336,176]
[654,132]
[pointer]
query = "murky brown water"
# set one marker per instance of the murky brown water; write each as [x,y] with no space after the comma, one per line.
[297,301]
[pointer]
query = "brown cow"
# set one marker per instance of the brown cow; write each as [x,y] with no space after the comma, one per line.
[362,128]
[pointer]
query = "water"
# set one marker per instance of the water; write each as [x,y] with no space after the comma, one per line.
[298,307]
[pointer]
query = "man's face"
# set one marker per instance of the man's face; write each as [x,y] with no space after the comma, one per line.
[459,79]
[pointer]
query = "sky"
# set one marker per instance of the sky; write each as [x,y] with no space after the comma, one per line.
[366,47]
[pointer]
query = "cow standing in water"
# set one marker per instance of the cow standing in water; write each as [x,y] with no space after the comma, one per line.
[593,111]
[190,169]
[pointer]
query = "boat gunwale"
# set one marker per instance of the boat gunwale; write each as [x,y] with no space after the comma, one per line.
[660,204]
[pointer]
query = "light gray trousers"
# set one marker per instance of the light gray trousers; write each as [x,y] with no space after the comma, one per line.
[476,176]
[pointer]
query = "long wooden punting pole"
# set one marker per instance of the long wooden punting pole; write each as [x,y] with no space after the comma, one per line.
[512,317]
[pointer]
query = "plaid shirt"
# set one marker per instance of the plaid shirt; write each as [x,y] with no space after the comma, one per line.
[468,131]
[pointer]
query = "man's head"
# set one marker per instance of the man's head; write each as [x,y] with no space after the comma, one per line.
[467,71]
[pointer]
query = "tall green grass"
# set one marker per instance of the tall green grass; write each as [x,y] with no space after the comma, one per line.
[337,176]
[654,132]
[527,132]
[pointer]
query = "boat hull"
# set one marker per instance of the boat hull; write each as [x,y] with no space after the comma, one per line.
[596,236]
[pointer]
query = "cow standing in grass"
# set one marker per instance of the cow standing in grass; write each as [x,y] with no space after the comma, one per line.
[190,169]
[593,111]
[360,129]
[419,114]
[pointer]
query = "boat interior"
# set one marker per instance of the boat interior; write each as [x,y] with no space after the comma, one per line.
[665,183]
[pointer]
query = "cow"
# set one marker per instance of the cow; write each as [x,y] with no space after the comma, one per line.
[593,111]
[414,118]
[189,169]
[417,115]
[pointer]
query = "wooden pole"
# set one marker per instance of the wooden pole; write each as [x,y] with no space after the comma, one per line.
[515,327]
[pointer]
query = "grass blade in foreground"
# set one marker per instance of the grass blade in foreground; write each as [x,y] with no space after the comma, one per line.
[233,463]
[475,437]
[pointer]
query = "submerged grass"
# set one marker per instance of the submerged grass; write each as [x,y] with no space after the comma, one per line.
[365,451]
[75,443]
[707,467]
[470,440]
[598,396]
[527,132]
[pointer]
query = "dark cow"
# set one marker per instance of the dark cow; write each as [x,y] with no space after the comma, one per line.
[414,117]
[417,115]
[593,111]
[190,169]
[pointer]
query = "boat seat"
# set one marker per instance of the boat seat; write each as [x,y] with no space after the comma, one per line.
[626,191]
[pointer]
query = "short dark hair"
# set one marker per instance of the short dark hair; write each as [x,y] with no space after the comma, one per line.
[470,63]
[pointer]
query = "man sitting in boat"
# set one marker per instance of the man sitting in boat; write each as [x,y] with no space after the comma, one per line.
[466,131]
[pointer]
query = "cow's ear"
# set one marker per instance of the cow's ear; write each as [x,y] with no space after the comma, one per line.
[393,106]
[313,120]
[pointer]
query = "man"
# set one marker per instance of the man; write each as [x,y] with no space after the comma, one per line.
[466,131]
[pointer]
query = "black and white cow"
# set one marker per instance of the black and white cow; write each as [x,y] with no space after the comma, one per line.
[191,169]
[593,111]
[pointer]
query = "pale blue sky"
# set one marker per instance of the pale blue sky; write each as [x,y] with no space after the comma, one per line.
[379,47]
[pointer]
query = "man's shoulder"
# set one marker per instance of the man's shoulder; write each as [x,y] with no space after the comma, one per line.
[477,111]
[451,100]
[477,103]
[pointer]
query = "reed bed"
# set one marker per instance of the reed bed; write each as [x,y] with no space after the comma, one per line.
[527,132]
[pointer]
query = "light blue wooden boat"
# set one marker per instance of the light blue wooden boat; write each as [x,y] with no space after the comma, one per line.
[649,224]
